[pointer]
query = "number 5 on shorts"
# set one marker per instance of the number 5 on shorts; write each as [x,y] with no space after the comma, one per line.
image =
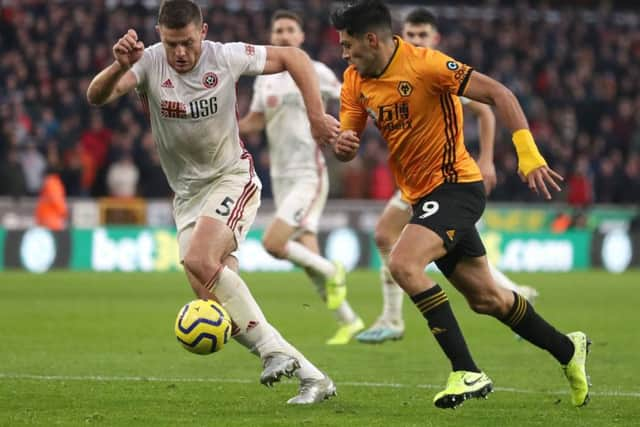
[429,208]
[225,206]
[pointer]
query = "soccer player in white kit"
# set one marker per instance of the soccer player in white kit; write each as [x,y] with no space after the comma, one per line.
[188,87]
[298,174]
[420,29]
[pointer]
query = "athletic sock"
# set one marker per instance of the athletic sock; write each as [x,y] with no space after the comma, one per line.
[502,280]
[392,294]
[434,306]
[524,321]
[304,257]
[255,333]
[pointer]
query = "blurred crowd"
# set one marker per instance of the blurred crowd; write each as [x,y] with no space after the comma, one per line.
[574,71]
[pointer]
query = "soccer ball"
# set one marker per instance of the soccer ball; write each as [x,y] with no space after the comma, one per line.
[203,326]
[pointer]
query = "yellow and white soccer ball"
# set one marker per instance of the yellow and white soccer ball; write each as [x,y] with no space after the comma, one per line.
[203,326]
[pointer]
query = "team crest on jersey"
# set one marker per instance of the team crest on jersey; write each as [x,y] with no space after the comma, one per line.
[405,88]
[210,80]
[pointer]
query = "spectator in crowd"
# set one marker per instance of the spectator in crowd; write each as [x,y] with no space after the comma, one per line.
[575,77]
[51,209]
[122,177]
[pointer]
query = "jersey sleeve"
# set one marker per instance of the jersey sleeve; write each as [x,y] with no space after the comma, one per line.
[329,84]
[245,59]
[257,99]
[353,116]
[464,101]
[445,74]
[142,68]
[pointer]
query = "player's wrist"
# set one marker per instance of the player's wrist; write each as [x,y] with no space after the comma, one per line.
[529,157]
[120,67]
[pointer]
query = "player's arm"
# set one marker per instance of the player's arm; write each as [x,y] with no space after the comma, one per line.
[487,129]
[531,165]
[353,119]
[324,127]
[117,79]
[253,122]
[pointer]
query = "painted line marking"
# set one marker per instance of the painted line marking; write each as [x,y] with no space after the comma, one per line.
[101,378]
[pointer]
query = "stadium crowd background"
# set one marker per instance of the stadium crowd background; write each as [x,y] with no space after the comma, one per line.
[575,71]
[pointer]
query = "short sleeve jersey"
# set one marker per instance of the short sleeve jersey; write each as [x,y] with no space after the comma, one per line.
[415,104]
[292,150]
[194,116]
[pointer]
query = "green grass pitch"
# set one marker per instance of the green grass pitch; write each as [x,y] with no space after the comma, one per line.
[78,349]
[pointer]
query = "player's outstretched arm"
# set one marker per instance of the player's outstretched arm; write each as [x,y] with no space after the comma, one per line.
[487,129]
[532,167]
[324,127]
[117,79]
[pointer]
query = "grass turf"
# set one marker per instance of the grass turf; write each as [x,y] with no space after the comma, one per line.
[99,349]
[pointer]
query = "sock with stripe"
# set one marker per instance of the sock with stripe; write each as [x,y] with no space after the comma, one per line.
[434,306]
[524,321]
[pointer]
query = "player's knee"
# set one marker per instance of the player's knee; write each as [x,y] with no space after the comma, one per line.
[200,266]
[383,238]
[402,271]
[275,249]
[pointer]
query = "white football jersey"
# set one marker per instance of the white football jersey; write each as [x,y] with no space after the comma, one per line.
[194,115]
[292,150]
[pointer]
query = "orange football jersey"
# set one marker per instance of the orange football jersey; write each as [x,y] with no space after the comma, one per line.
[414,103]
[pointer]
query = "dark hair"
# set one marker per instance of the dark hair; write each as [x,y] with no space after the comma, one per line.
[421,16]
[362,16]
[286,14]
[175,14]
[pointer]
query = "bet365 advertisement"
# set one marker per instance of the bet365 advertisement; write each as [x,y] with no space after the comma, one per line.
[156,249]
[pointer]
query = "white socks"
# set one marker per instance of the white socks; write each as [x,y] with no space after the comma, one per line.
[256,334]
[502,280]
[392,294]
[304,257]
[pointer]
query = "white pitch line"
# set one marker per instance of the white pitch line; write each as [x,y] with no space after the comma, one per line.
[8,376]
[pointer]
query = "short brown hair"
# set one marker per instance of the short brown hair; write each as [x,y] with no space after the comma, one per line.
[176,14]
[286,14]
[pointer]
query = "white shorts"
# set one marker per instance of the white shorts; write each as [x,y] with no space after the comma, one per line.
[398,202]
[233,200]
[300,201]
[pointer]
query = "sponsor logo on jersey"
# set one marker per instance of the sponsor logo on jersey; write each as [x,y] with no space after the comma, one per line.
[210,80]
[249,49]
[173,109]
[167,84]
[452,65]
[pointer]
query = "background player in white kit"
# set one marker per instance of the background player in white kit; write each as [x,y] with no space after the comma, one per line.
[187,84]
[420,29]
[298,174]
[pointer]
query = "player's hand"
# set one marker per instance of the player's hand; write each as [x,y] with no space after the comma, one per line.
[488,171]
[539,178]
[346,145]
[325,130]
[128,50]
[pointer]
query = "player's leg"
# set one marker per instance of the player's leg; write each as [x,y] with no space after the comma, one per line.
[504,282]
[205,251]
[390,324]
[350,323]
[435,229]
[299,205]
[473,278]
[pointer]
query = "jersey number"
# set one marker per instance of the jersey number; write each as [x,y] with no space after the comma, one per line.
[225,206]
[203,108]
[429,209]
